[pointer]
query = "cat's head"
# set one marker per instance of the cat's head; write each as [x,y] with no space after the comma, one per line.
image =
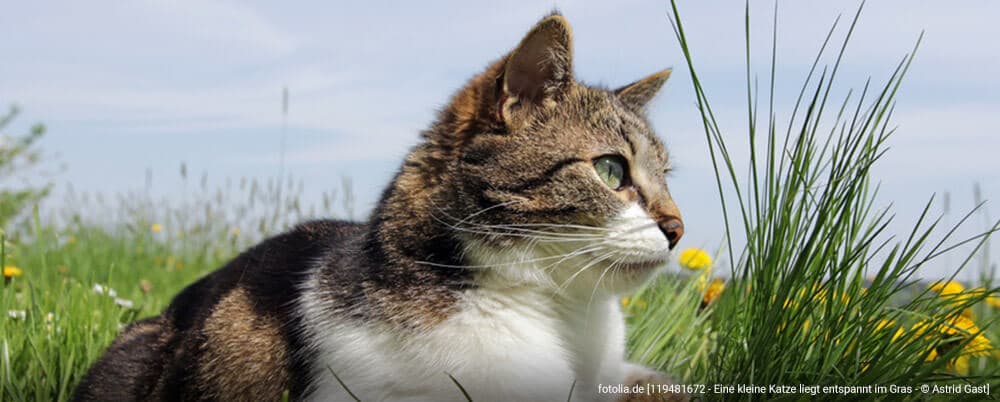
[548,180]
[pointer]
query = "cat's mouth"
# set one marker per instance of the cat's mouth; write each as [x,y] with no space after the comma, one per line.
[642,265]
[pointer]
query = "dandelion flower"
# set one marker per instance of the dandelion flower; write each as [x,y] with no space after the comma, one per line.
[955,332]
[156,228]
[695,259]
[955,293]
[947,288]
[960,326]
[626,301]
[713,292]
[11,271]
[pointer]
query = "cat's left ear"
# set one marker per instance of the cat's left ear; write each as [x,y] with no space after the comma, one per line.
[541,67]
[637,94]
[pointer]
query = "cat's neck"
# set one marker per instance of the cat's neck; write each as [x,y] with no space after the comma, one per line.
[412,275]
[411,227]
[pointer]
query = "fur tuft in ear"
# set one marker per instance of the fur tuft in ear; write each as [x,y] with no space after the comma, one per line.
[637,94]
[541,65]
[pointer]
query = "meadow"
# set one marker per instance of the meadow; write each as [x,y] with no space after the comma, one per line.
[818,296]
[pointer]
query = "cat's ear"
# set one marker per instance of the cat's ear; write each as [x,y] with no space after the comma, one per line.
[541,67]
[637,94]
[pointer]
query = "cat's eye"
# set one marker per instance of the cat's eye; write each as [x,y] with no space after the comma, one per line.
[611,170]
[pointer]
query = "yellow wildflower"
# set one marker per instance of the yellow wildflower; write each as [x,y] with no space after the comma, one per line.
[954,332]
[965,328]
[695,259]
[947,288]
[11,271]
[235,232]
[713,292]
[156,228]
[626,301]
[884,324]
[955,293]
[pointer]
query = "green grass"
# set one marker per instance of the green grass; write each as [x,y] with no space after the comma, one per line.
[818,295]
[146,251]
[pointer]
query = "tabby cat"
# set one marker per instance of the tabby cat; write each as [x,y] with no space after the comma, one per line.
[493,260]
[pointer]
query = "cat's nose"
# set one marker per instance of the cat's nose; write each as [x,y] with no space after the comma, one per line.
[673,228]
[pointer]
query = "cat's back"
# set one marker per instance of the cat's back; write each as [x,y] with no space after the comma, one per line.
[268,274]
[234,333]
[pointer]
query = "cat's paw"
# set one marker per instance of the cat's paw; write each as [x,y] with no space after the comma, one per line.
[648,380]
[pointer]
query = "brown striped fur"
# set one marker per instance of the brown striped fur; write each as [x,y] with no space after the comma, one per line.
[240,341]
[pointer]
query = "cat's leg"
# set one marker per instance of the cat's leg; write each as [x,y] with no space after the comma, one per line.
[132,365]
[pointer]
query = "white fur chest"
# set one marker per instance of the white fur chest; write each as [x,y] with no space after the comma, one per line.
[510,344]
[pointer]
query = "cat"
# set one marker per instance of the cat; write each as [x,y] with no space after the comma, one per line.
[492,264]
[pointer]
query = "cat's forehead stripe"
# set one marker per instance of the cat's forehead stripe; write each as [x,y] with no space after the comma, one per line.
[635,132]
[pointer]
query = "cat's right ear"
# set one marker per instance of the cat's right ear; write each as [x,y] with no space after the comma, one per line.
[637,94]
[539,70]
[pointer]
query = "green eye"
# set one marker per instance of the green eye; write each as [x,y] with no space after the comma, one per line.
[611,169]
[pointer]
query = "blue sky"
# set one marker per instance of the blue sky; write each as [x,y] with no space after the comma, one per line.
[130,86]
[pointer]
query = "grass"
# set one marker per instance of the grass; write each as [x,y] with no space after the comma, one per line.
[818,295]
[82,280]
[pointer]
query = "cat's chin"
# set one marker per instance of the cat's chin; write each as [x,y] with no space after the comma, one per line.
[629,276]
[642,266]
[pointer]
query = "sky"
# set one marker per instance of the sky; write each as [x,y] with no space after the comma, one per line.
[127,88]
